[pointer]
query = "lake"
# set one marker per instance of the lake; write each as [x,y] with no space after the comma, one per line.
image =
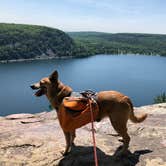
[140,77]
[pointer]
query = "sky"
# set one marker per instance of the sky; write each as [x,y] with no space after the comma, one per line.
[114,16]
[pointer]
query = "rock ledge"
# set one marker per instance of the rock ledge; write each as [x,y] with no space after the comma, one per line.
[37,140]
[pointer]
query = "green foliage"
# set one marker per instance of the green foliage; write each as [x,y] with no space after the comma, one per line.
[29,41]
[19,41]
[160,98]
[120,43]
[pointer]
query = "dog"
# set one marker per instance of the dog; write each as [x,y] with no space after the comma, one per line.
[112,104]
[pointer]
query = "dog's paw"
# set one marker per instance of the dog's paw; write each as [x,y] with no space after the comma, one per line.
[98,119]
[64,153]
[73,144]
[121,140]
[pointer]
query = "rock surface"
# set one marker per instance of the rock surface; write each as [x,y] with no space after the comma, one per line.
[37,140]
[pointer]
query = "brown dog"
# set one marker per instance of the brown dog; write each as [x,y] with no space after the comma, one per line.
[114,105]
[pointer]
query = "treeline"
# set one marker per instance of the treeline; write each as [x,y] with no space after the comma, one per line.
[120,43]
[19,41]
[29,41]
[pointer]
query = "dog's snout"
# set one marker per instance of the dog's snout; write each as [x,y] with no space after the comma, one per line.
[32,86]
[35,86]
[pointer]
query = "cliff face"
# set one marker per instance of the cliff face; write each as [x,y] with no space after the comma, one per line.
[27,139]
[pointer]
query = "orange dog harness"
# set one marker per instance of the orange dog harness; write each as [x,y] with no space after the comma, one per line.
[75,112]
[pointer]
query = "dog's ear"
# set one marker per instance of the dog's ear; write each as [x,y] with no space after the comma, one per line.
[54,76]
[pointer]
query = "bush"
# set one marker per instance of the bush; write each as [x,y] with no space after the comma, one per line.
[160,98]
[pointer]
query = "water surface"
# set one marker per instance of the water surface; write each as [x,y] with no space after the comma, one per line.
[140,77]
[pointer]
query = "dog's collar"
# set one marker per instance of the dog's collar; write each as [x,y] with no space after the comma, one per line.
[68,95]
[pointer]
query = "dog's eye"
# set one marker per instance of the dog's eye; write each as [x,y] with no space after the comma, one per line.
[42,85]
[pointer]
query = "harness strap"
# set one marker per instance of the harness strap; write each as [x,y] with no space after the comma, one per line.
[93,132]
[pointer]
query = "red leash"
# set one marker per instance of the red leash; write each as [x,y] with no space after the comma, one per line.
[93,133]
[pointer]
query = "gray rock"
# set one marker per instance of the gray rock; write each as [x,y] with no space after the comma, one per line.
[38,140]
[19,116]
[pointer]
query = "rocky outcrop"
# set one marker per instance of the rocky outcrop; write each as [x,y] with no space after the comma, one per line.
[37,140]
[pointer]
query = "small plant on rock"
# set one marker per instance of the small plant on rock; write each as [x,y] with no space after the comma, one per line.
[160,98]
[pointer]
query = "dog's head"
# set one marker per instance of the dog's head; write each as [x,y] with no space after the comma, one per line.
[46,84]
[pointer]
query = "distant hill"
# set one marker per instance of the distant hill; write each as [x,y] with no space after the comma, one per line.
[18,41]
[120,43]
[30,41]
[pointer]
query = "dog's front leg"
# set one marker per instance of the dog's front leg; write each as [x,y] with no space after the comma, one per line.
[68,145]
[72,137]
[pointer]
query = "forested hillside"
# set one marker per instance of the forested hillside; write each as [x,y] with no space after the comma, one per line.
[30,41]
[121,43]
[19,41]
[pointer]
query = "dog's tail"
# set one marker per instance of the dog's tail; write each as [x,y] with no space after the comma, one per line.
[133,117]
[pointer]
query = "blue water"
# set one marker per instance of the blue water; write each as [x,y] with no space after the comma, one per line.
[140,77]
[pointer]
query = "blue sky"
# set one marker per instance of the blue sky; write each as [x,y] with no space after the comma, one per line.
[143,16]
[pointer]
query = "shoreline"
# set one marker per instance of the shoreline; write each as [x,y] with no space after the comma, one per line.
[65,57]
[33,59]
